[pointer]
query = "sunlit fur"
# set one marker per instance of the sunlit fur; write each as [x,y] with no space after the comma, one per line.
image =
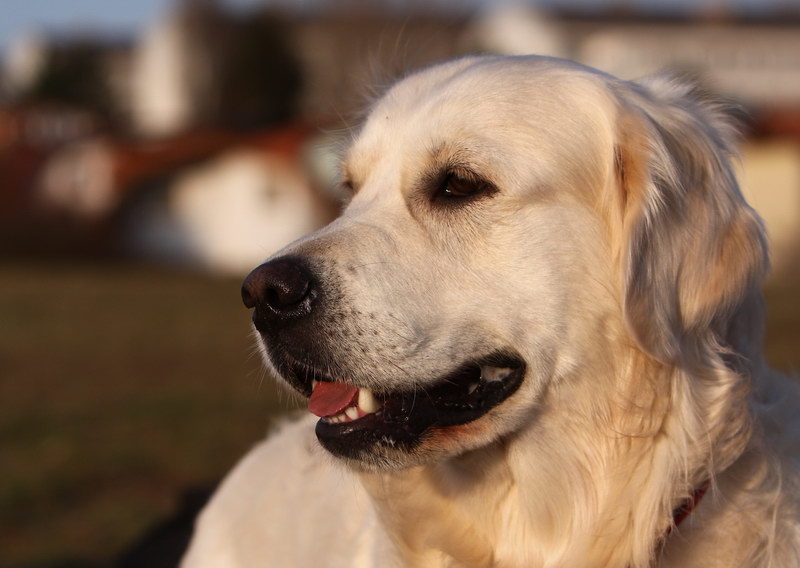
[619,259]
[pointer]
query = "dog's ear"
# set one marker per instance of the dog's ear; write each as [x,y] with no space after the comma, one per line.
[691,250]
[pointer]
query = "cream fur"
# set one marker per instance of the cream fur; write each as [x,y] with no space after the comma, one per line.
[620,259]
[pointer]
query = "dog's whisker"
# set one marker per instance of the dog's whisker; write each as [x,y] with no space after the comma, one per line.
[376,263]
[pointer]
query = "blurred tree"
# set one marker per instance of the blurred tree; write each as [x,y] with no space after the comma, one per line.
[239,68]
[262,80]
[73,74]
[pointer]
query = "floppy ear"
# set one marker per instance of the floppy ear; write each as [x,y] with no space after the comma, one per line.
[692,251]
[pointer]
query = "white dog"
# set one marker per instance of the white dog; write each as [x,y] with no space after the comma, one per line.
[533,339]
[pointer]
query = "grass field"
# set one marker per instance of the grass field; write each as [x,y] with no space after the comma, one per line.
[119,388]
[122,386]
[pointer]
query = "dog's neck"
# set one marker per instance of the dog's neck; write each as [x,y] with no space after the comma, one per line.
[590,483]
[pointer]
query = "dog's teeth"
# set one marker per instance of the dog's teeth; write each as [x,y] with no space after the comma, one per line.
[314,384]
[471,389]
[367,402]
[494,373]
[339,418]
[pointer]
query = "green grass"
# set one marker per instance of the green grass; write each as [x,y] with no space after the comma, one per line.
[121,386]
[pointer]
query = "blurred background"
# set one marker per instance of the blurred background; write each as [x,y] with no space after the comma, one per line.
[152,152]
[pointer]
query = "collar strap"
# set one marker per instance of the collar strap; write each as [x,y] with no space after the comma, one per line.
[686,508]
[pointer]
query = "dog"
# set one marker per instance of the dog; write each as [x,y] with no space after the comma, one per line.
[532,339]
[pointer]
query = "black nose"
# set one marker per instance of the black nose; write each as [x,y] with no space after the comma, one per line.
[280,290]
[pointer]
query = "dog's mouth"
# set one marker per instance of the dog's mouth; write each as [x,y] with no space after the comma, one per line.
[355,420]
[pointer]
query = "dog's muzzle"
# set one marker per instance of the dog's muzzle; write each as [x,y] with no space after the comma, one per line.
[292,307]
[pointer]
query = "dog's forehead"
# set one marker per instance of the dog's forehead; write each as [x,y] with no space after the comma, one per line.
[497,105]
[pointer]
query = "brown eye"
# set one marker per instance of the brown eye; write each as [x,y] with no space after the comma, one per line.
[457,186]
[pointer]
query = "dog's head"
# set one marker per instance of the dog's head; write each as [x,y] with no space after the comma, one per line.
[512,221]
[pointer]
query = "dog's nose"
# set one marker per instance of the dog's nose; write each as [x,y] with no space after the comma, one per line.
[280,290]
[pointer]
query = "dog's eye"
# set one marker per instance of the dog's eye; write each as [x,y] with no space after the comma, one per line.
[458,186]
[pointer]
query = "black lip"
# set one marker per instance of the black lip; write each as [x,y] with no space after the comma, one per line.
[406,417]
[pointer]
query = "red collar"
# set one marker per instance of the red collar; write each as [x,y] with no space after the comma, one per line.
[686,508]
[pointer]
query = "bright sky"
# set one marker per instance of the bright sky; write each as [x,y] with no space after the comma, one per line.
[115,16]
[127,16]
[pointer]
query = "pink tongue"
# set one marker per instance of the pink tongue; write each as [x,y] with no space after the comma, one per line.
[330,399]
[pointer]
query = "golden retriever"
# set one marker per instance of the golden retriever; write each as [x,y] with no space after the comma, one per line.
[533,339]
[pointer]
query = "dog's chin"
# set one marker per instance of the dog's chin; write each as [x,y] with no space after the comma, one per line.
[394,430]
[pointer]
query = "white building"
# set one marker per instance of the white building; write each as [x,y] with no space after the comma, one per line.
[230,214]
